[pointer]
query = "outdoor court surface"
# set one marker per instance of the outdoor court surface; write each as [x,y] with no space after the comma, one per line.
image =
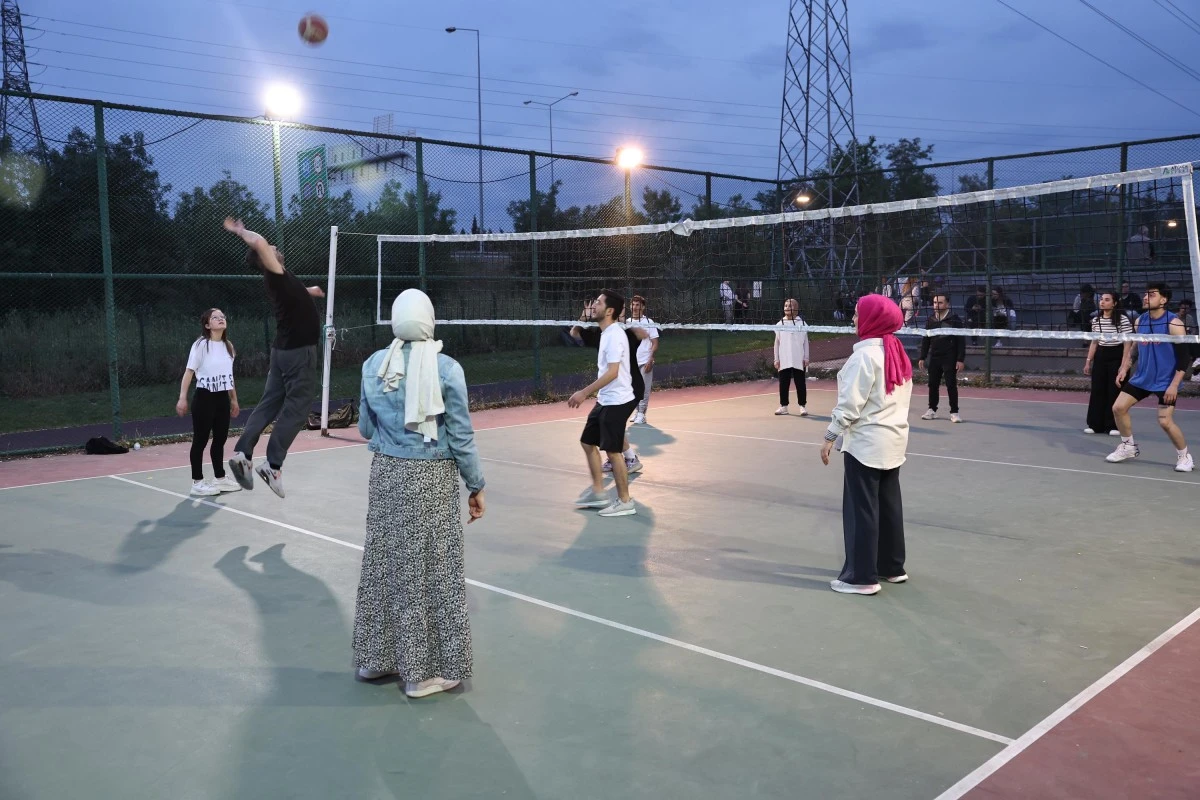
[157,646]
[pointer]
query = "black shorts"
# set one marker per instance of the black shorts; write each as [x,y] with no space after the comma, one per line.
[605,426]
[1139,394]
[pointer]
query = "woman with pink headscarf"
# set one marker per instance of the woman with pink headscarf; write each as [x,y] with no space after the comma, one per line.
[871,418]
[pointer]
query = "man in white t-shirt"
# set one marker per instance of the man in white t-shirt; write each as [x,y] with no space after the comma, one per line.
[615,401]
[645,352]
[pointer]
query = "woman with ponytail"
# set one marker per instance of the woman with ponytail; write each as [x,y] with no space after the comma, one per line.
[871,419]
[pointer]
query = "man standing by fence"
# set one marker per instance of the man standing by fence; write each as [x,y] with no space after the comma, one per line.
[943,356]
[291,380]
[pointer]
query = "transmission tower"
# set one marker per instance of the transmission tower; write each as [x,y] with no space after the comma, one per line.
[18,116]
[816,137]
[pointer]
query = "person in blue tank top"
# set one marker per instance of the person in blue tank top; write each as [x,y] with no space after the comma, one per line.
[1160,368]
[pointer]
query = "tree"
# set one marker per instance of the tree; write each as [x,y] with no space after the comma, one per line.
[660,207]
[198,216]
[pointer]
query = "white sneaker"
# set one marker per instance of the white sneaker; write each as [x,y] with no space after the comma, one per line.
[633,465]
[589,499]
[854,588]
[242,469]
[273,479]
[1124,452]
[1185,463]
[431,686]
[803,411]
[606,466]
[782,411]
[204,489]
[619,509]
[639,418]
[930,414]
[1088,430]
[1114,433]
[955,418]
[227,484]
[373,674]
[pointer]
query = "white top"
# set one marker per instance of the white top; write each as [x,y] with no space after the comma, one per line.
[726,294]
[644,346]
[873,425]
[791,343]
[212,364]
[614,349]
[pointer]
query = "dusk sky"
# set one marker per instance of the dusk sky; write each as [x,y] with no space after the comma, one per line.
[697,84]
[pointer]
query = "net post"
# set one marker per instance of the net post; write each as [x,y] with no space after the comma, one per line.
[420,159]
[110,303]
[533,226]
[708,335]
[1122,234]
[277,169]
[987,266]
[1189,210]
[330,331]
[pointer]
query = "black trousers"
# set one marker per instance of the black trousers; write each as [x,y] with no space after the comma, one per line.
[787,375]
[943,370]
[210,417]
[872,523]
[1104,389]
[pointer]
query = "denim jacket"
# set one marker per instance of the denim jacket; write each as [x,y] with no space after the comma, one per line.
[381,420]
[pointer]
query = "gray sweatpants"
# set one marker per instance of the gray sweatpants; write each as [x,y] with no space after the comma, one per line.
[286,401]
[648,377]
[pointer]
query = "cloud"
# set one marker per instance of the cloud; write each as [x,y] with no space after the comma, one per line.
[894,36]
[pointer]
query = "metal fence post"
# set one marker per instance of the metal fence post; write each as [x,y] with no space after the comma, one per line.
[987,266]
[110,303]
[277,169]
[1122,234]
[708,335]
[421,213]
[533,226]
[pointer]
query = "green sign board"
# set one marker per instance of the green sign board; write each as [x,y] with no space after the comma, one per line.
[314,174]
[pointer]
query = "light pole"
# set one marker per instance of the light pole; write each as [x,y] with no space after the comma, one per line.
[551,106]
[479,103]
[629,159]
[282,102]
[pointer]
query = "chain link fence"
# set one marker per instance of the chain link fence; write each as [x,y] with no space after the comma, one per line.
[112,253]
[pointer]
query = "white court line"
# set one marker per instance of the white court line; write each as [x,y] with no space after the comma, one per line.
[945,458]
[741,662]
[161,469]
[1070,707]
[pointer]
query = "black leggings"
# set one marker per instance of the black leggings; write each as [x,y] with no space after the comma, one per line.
[786,376]
[210,416]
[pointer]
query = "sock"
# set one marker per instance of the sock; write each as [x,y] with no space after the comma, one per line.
[630,455]
[1181,453]
[1127,440]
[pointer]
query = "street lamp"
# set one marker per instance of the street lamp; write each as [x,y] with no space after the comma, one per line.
[629,159]
[282,102]
[479,103]
[551,106]
[803,199]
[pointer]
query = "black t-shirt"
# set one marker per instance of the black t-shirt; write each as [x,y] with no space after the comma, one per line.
[591,338]
[297,323]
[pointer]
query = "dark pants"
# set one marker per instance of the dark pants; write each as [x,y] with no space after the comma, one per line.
[872,523]
[210,417]
[286,401]
[943,370]
[1104,389]
[787,375]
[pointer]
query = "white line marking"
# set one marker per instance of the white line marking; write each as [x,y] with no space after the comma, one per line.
[1070,707]
[945,458]
[741,662]
[162,469]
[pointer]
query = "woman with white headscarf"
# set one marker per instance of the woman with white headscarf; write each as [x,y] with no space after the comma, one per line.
[411,614]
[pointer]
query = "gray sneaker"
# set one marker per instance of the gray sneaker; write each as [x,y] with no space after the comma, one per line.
[590,499]
[270,477]
[242,469]
[619,509]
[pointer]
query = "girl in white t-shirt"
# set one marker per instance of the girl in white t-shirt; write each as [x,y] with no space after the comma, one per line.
[214,402]
[791,357]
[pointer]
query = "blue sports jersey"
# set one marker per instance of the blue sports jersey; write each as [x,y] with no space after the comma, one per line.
[1156,360]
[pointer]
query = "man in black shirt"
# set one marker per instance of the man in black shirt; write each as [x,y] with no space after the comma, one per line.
[945,356]
[291,380]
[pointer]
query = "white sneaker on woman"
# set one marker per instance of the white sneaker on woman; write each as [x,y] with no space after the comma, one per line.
[227,484]
[204,489]
[431,686]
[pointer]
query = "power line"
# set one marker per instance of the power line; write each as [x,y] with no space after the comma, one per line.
[1144,42]
[1091,55]
[1179,14]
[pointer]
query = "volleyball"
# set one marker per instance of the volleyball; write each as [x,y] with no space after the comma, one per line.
[313,29]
